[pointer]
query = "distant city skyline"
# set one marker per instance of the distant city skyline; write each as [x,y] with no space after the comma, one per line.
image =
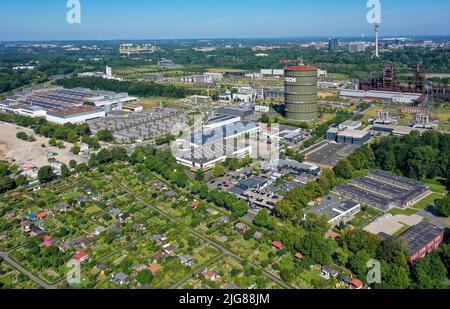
[194,19]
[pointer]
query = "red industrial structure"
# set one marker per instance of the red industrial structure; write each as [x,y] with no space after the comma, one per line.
[389,81]
[421,240]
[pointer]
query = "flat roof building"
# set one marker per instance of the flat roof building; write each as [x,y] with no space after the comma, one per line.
[348,136]
[75,114]
[421,240]
[337,209]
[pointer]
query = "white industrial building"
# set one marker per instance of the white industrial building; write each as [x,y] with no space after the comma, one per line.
[75,115]
[262,109]
[220,138]
[396,97]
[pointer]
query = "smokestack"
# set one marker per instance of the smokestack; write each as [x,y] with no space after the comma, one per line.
[377,45]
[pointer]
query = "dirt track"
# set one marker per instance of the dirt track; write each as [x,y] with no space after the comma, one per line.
[23,152]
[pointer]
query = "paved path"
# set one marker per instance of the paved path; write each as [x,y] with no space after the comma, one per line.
[202,237]
[5,256]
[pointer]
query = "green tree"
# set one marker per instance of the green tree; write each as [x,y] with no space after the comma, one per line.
[144,277]
[316,247]
[219,170]
[394,276]
[200,176]
[105,136]
[73,164]
[46,174]
[65,172]
[344,169]
[358,264]
[430,273]
[21,180]
[443,206]
[263,219]
[75,150]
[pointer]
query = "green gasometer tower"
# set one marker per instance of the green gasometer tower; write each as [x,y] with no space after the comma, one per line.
[300,91]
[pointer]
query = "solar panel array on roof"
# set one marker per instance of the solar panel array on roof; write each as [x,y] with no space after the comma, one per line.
[379,187]
[364,197]
[417,237]
[384,190]
[400,181]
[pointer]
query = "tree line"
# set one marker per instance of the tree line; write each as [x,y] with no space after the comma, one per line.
[137,88]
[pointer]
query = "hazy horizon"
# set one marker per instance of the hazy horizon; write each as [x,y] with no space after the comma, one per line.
[45,20]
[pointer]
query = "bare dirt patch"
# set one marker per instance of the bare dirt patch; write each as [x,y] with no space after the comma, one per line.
[32,153]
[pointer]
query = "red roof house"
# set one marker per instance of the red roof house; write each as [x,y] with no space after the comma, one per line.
[299,256]
[356,284]
[81,256]
[154,269]
[48,241]
[278,244]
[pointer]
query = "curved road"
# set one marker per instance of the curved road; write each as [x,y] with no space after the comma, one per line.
[5,256]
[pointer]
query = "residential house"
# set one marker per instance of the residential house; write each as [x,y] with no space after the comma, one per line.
[154,269]
[356,284]
[48,241]
[278,245]
[224,219]
[168,249]
[258,235]
[139,227]
[187,260]
[158,239]
[119,279]
[83,242]
[211,275]
[124,217]
[299,256]
[327,272]
[333,235]
[231,286]
[81,256]
[114,212]
[99,230]
[140,267]
[159,257]
[25,226]
[62,207]
[81,200]
[241,227]
[36,232]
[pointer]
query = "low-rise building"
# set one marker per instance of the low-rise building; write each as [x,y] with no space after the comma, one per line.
[75,114]
[337,210]
[348,136]
[421,240]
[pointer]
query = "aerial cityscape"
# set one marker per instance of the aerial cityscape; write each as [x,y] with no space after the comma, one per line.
[249,151]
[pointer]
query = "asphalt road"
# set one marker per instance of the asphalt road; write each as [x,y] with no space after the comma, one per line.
[5,256]
[204,238]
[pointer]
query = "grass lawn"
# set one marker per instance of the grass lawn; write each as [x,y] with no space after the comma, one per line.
[436,186]
[427,201]
[363,218]
[406,212]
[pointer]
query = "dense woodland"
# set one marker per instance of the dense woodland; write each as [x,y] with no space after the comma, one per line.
[143,89]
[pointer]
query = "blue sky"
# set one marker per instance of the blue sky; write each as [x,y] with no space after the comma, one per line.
[169,19]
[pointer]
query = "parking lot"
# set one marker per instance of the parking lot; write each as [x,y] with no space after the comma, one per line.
[330,154]
[141,126]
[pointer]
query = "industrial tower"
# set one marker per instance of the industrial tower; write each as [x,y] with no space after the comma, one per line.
[300,91]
